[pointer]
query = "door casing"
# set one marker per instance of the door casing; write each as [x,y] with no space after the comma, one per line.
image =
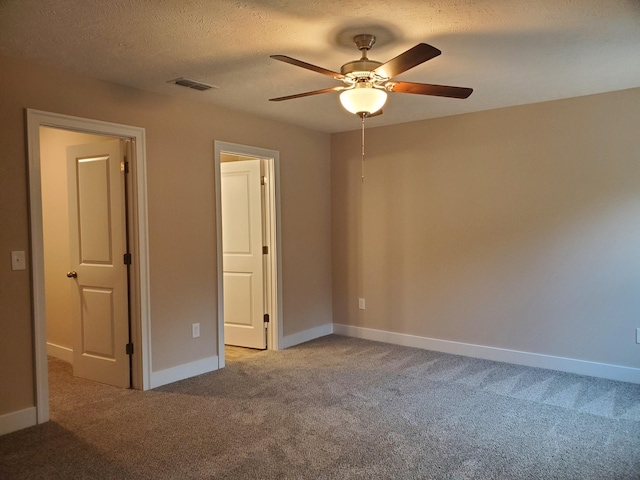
[272,158]
[139,284]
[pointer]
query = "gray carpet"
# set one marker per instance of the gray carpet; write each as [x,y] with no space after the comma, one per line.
[338,408]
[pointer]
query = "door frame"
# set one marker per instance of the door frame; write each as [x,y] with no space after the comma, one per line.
[274,330]
[139,280]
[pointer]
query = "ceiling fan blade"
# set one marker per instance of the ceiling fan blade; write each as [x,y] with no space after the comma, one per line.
[307,94]
[409,59]
[308,66]
[426,89]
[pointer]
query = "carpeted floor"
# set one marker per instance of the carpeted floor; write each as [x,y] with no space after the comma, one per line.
[338,408]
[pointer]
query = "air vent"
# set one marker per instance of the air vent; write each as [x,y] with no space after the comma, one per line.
[185,82]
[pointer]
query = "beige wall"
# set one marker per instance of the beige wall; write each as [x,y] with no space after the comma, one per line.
[180,164]
[516,228]
[55,227]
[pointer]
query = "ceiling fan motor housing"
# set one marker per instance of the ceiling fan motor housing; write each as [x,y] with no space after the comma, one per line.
[363,65]
[362,70]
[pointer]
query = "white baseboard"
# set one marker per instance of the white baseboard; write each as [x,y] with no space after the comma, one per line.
[307,335]
[58,351]
[181,372]
[14,421]
[570,365]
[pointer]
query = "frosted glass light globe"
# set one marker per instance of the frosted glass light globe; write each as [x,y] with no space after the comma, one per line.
[364,99]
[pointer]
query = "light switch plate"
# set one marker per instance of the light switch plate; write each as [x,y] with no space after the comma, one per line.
[18,260]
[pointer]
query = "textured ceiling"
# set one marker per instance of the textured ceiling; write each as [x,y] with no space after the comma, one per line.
[510,52]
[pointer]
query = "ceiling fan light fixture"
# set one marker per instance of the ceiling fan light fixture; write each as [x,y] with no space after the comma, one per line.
[363,99]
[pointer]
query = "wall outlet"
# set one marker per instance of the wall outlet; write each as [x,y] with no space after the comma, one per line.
[361,303]
[637,335]
[195,330]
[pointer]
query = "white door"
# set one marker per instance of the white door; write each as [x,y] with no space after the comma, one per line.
[241,203]
[98,243]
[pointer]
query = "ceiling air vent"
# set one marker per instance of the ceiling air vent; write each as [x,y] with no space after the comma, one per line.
[185,82]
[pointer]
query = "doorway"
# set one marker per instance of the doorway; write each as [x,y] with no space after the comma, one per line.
[85,235]
[249,272]
[40,127]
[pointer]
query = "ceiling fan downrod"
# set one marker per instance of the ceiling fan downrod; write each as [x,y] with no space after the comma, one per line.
[364,42]
[362,68]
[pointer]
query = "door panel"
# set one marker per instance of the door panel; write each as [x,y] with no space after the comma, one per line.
[241,199]
[237,288]
[98,243]
[236,202]
[94,210]
[97,319]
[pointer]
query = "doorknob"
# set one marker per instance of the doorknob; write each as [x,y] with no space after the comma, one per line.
[72,274]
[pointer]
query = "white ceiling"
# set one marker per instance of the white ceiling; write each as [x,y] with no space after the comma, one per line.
[510,52]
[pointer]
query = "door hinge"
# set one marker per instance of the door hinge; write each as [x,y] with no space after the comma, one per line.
[263,180]
[127,259]
[124,166]
[266,318]
[265,250]
[129,348]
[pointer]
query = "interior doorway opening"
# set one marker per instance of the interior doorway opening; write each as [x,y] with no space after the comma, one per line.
[248,247]
[85,234]
[39,126]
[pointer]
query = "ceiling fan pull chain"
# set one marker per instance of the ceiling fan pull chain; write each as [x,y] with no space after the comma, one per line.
[362,162]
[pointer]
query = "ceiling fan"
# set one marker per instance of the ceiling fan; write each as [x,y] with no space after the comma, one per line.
[366,82]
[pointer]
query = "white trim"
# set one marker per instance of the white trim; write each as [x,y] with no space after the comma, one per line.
[58,351]
[35,120]
[14,421]
[182,372]
[37,268]
[570,365]
[276,318]
[275,245]
[219,273]
[308,335]
[143,293]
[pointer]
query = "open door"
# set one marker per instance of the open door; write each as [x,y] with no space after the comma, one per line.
[241,202]
[98,243]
